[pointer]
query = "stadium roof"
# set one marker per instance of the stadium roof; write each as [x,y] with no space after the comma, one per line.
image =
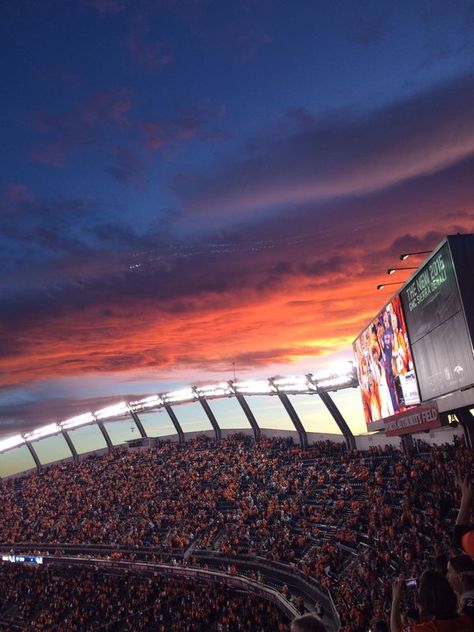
[127,420]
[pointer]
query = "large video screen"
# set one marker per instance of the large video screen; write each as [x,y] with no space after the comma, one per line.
[439,337]
[385,365]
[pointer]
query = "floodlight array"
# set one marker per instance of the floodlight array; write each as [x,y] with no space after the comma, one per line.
[116,410]
[293,384]
[181,396]
[254,387]
[76,422]
[222,389]
[154,401]
[333,382]
[42,432]
[11,442]
[343,375]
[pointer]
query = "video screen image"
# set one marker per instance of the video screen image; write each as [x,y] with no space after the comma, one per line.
[385,365]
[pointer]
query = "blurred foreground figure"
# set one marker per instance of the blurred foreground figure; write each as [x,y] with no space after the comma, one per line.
[307,623]
[437,605]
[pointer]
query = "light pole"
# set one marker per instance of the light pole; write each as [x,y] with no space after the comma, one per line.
[405,255]
[382,285]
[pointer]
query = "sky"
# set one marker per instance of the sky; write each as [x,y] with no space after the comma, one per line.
[190,187]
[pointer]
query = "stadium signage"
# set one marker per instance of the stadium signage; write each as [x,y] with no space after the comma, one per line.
[416,420]
[437,324]
[427,282]
[22,559]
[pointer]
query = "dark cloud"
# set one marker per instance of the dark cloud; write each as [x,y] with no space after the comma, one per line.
[127,168]
[147,53]
[90,122]
[278,355]
[248,42]
[191,123]
[27,415]
[416,243]
[343,155]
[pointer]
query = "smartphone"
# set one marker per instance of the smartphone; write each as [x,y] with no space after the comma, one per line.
[412,582]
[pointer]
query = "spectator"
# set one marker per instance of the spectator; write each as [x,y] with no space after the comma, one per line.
[325,512]
[464,530]
[461,578]
[436,603]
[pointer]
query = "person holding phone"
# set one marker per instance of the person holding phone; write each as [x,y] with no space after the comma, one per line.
[436,603]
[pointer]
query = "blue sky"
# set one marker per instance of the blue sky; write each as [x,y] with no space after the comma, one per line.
[189,184]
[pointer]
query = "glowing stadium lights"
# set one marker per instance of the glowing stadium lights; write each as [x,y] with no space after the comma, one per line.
[341,376]
[214,390]
[11,442]
[333,382]
[180,397]
[79,420]
[154,401]
[41,432]
[116,410]
[293,384]
[254,387]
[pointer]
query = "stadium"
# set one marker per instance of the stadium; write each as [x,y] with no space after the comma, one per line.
[121,518]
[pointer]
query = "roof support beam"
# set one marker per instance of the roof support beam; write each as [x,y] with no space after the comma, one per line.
[176,423]
[70,444]
[293,415]
[34,455]
[106,436]
[210,415]
[139,425]
[339,419]
[249,414]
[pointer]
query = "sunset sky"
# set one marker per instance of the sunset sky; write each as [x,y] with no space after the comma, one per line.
[188,184]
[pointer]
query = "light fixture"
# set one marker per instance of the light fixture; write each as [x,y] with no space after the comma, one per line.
[393,270]
[382,285]
[405,255]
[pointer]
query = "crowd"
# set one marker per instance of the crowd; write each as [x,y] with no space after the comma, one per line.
[351,520]
[39,599]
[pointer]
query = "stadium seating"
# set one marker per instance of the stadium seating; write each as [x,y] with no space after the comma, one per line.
[351,521]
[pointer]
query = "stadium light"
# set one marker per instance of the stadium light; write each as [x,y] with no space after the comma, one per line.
[405,255]
[382,285]
[153,401]
[116,410]
[79,420]
[343,374]
[333,382]
[345,367]
[181,396]
[214,390]
[254,387]
[11,442]
[41,432]
[393,270]
[293,384]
